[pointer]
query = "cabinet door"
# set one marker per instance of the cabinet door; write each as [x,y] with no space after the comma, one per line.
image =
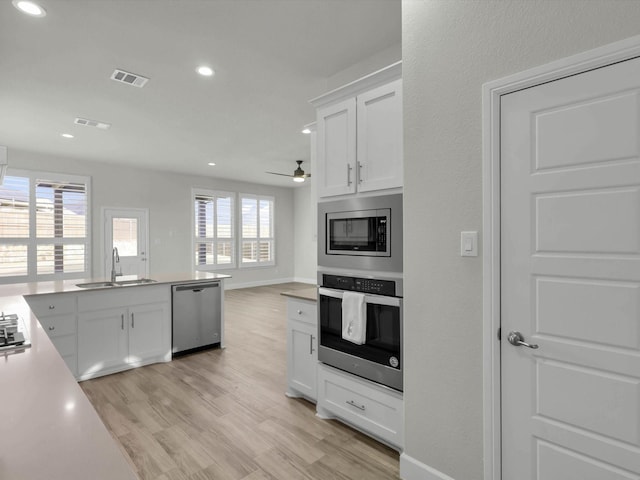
[380,138]
[102,341]
[336,144]
[149,327]
[303,358]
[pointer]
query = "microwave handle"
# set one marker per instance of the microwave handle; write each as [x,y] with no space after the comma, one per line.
[373,299]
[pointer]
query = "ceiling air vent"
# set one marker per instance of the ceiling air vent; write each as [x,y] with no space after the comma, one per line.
[129,78]
[91,123]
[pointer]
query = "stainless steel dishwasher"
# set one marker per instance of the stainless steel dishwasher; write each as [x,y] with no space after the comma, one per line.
[196,316]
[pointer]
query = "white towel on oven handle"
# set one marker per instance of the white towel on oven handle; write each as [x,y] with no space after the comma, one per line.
[354,317]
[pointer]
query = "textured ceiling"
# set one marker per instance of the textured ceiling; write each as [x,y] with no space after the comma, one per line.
[270,58]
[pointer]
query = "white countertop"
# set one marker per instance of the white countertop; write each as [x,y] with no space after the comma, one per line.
[49,429]
[61,286]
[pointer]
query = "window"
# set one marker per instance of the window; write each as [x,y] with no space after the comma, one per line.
[44,225]
[257,242]
[214,230]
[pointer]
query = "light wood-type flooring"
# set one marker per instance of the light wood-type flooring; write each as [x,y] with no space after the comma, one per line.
[222,414]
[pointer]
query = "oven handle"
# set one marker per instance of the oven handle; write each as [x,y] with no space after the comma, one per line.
[373,299]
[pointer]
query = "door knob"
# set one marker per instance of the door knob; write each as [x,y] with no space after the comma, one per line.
[516,338]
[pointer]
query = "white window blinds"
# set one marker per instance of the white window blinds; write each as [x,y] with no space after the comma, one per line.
[258,241]
[43,227]
[214,230]
[14,227]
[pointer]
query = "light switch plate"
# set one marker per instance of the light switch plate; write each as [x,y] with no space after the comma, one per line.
[468,244]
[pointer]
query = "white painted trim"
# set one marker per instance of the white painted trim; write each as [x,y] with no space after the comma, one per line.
[412,469]
[491,93]
[312,281]
[103,236]
[380,77]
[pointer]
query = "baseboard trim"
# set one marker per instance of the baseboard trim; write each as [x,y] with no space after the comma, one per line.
[312,281]
[412,469]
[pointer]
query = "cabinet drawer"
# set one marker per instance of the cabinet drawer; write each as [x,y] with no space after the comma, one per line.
[302,311]
[122,297]
[58,325]
[366,405]
[57,304]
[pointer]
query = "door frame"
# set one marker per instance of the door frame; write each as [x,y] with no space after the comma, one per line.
[103,236]
[491,93]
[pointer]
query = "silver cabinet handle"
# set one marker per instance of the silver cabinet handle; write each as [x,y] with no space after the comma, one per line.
[52,328]
[349,174]
[359,172]
[354,404]
[299,312]
[516,338]
[312,339]
[122,321]
[51,307]
[133,324]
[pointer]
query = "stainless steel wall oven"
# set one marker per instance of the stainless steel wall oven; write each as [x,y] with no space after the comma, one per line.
[379,358]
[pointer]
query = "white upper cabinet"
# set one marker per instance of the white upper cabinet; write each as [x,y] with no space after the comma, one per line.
[379,133]
[337,148]
[359,142]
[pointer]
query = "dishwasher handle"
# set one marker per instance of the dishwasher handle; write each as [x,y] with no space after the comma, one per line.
[195,287]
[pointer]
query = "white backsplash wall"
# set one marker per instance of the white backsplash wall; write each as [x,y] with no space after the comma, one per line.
[167,195]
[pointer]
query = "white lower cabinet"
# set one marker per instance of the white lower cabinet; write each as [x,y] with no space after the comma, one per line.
[116,331]
[102,341]
[57,315]
[302,349]
[367,406]
[147,337]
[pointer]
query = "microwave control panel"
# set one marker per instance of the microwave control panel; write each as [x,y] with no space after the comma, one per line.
[357,284]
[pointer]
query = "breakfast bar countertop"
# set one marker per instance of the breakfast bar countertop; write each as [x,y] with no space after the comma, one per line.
[50,429]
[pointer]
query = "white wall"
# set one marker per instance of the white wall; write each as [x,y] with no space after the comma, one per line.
[450,48]
[305,254]
[168,198]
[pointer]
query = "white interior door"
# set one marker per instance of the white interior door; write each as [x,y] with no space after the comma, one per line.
[127,230]
[570,276]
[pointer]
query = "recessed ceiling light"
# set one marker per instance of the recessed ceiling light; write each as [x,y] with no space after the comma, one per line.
[211,164]
[30,8]
[66,135]
[306,131]
[205,71]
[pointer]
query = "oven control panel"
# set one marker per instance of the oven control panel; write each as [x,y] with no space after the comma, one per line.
[357,284]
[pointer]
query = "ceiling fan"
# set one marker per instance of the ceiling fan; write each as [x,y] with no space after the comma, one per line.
[298,173]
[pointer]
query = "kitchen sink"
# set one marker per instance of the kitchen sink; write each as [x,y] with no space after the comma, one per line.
[140,281]
[96,284]
[122,283]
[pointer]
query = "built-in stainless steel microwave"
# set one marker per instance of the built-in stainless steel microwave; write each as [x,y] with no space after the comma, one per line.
[362,233]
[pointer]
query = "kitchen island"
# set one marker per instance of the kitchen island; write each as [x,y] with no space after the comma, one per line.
[50,430]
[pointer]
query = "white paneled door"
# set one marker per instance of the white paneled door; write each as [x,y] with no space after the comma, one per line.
[570,276]
[126,230]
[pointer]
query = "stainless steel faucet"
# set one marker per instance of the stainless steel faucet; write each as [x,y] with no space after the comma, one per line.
[115,258]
